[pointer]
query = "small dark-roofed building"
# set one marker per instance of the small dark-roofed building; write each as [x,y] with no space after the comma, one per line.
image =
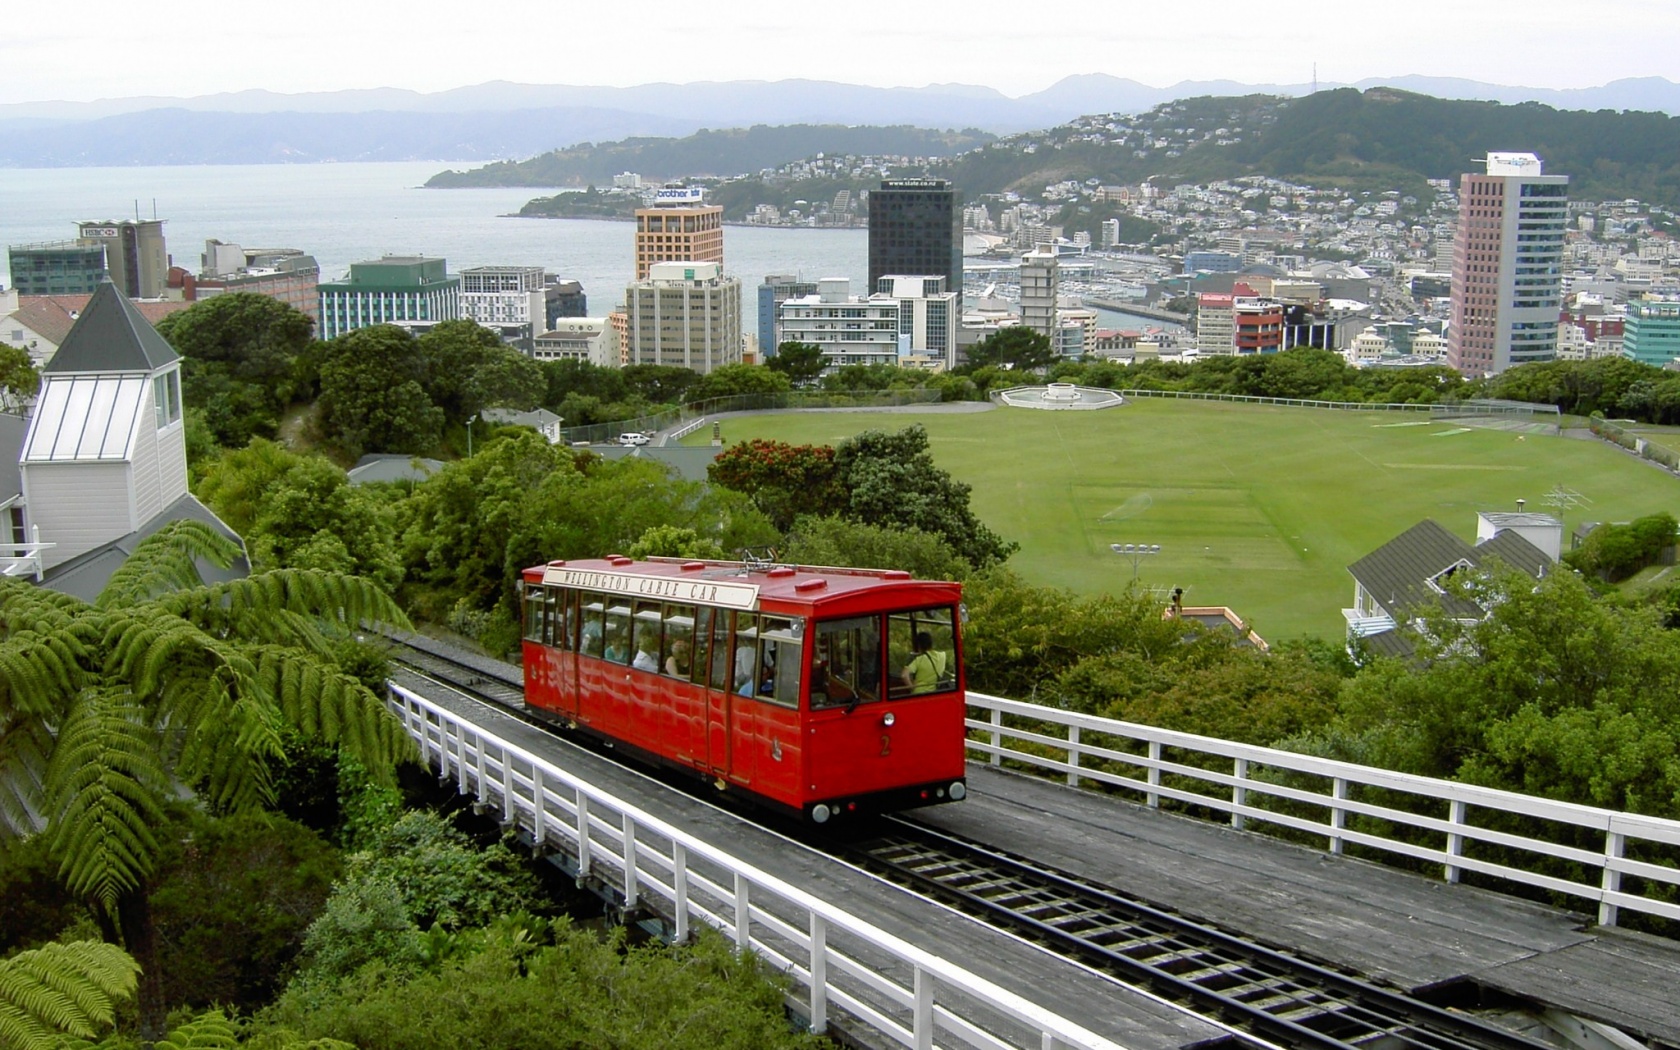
[688,462]
[378,467]
[1409,573]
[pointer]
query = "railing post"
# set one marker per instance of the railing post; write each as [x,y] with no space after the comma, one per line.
[539,809]
[997,736]
[819,974]
[1615,847]
[1073,756]
[631,883]
[1338,815]
[461,758]
[1455,841]
[507,787]
[921,1025]
[743,917]
[1154,773]
[1239,794]
[583,835]
[679,889]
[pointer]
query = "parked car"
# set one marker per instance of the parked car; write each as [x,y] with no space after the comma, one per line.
[634,437]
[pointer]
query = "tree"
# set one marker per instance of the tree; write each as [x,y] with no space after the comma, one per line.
[302,512]
[468,369]
[242,357]
[19,380]
[1017,347]
[372,393]
[802,363]
[834,541]
[61,990]
[659,384]
[784,481]
[891,480]
[90,694]
[733,380]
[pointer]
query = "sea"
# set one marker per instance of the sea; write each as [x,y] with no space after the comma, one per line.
[345,213]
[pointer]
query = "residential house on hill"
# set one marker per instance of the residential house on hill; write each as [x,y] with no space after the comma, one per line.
[1394,583]
[102,462]
[41,323]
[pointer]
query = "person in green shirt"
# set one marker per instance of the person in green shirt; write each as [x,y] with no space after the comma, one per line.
[926,667]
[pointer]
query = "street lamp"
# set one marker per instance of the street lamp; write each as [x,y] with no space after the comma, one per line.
[1135,551]
[470,421]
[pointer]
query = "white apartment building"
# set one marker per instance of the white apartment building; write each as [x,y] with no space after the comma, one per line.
[686,314]
[1039,280]
[909,321]
[509,300]
[592,340]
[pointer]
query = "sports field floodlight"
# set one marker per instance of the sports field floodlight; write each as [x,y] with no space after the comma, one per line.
[1135,551]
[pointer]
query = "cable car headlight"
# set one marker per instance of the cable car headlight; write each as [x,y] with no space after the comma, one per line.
[959,791]
[820,813]
[888,719]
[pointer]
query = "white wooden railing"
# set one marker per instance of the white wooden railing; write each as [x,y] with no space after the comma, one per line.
[1136,758]
[834,960]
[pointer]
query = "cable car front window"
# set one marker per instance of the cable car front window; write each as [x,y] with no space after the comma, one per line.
[534,612]
[921,652]
[846,662]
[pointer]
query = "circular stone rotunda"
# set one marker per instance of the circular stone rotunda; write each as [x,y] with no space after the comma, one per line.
[1058,396]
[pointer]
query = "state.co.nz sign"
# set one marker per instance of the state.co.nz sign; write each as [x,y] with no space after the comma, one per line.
[701,592]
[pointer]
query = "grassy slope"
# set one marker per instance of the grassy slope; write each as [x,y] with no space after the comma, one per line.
[1258,508]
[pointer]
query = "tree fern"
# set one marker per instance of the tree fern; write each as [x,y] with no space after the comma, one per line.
[25,748]
[62,989]
[103,788]
[167,560]
[332,706]
[210,1030]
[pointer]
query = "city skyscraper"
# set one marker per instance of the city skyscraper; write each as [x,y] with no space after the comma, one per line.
[135,254]
[679,227]
[1507,277]
[915,228]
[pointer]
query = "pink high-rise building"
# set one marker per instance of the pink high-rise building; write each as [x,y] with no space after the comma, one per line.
[1507,278]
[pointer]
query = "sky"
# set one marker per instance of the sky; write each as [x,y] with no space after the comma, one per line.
[93,49]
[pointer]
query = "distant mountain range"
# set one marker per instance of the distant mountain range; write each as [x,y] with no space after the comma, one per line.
[501,120]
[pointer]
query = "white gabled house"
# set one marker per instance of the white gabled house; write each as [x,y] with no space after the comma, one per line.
[103,461]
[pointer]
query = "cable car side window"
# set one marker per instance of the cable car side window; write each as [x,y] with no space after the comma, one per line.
[592,629]
[921,652]
[719,657]
[676,656]
[745,668]
[781,660]
[533,631]
[846,662]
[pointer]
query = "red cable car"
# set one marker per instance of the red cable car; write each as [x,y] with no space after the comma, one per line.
[818,691]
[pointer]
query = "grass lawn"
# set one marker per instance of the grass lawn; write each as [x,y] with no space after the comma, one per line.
[1667,437]
[1258,508]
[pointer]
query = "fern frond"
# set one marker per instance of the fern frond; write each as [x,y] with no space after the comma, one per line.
[40,672]
[25,749]
[334,707]
[102,787]
[210,1030]
[348,600]
[167,560]
[227,755]
[62,989]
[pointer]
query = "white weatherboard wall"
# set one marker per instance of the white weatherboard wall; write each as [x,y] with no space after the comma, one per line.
[78,506]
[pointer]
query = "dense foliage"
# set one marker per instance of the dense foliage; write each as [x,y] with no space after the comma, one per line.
[244,359]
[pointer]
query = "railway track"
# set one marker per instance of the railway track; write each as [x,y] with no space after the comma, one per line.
[1280,999]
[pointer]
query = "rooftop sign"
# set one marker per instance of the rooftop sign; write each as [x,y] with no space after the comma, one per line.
[707,592]
[680,195]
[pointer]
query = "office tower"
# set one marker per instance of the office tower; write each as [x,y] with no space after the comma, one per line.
[679,227]
[686,314]
[915,227]
[909,321]
[411,292]
[135,254]
[1507,272]
[1039,273]
[57,267]
[776,290]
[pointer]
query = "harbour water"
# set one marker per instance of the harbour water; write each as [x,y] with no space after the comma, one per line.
[344,213]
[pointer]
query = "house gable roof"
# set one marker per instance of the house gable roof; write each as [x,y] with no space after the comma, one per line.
[46,317]
[111,336]
[1397,575]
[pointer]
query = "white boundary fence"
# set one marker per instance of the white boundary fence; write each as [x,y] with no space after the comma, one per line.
[837,962]
[1319,796]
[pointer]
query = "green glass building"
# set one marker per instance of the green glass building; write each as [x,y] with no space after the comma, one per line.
[1651,335]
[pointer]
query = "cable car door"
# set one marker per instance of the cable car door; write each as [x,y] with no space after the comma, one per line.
[720,710]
